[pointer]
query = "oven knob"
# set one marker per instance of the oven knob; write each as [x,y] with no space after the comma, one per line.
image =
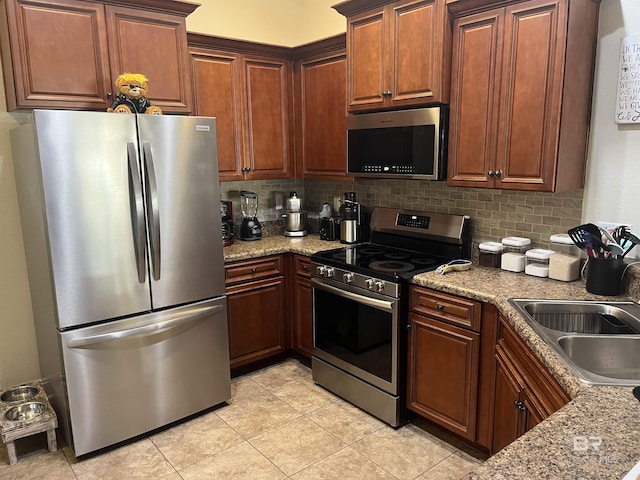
[348,277]
[379,286]
[370,284]
[321,270]
[329,272]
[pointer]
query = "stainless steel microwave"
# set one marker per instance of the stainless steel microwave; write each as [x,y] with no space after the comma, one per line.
[401,143]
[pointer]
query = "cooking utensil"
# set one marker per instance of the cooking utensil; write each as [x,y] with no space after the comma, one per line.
[611,242]
[630,237]
[577,237]
[598,247]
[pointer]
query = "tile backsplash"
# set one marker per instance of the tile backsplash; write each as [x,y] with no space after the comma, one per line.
[494,213]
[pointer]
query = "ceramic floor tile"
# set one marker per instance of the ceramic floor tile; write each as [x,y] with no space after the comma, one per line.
[243,387]
[34,460]
[296,445]
[345,421]
[346,464]
[455,466]
[135,460]
[406,452]
[303,395]
[254,415]
[195,440]
[241,462]
[278,375]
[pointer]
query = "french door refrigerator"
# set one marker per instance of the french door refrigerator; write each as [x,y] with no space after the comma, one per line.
[122,233]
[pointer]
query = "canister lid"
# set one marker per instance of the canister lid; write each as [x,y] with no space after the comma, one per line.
[516,241]
[539,254]
[561,238]
[491,247]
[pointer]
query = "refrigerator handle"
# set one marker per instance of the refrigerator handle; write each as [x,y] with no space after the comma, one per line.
[153,218]
[136,209]
[146,330]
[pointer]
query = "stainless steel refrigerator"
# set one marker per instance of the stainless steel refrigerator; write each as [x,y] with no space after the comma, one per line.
[122,233]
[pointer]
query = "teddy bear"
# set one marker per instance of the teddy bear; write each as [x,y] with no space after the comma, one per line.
[131,97]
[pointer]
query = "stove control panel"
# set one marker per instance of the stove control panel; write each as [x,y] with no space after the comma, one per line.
[365,282]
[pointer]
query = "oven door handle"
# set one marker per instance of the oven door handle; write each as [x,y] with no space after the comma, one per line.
[385,305]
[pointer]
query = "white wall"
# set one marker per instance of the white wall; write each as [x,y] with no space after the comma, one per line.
[612,191]
[283,22]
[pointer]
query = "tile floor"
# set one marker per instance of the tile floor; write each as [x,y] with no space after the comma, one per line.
[277,425]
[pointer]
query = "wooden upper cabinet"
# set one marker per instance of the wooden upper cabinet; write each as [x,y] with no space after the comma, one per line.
[68,53]
[268,93]
[54,55]
[248,87]
[321,110]
[154,44]
[397,53]
[521,94]
[218,93]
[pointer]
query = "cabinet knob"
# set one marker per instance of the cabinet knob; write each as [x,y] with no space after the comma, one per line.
[440,307]
[519,405]
[109,94]
[490,173]
[498,173]
[253,270]
[386,93]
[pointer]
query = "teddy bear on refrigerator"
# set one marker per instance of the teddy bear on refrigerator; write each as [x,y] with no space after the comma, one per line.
[131,96]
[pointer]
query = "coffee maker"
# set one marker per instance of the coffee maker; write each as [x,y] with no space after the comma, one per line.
[228,226]
[350,219]
[295,220]
[250,228]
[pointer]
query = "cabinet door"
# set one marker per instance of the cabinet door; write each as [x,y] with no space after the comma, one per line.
[508,419]
[530,94]
[443,373]
[256,318]
[302,321]
[322,130]
[55,55]
[217,93]
[474,98]
[367,61]
[268,90]
[415,62]
[154,44]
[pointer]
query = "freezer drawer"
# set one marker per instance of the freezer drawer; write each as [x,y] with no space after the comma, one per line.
[131,376]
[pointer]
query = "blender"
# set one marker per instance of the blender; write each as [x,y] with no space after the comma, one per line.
[250,228]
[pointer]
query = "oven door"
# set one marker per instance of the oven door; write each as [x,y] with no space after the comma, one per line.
[357,331]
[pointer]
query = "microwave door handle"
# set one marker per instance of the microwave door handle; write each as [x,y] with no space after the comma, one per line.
[371,302]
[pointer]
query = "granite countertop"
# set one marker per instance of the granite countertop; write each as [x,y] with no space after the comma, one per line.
[594,436]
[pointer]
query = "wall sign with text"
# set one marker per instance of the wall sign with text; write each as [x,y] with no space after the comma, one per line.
[628,98]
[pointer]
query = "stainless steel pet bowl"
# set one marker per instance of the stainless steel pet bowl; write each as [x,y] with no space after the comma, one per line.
[20,394]
[25,411]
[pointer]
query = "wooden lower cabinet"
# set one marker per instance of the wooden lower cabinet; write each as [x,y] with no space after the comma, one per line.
[302,314]
[525,391]
[443,373]
[255,309]
[444,345]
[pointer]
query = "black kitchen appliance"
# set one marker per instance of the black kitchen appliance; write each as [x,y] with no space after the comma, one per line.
[228,226]
[329,228]
[360,296]
[250,228]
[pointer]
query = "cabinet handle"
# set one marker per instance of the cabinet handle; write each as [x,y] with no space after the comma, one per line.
[253,270]
[519,405]
[490,173]
[304,267]
[386,93]
[498,173]
[109,94]
[440,307]
[408,326]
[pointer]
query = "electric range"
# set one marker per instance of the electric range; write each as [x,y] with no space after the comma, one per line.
[360,305]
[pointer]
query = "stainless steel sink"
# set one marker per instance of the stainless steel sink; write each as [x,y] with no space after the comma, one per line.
[599,341]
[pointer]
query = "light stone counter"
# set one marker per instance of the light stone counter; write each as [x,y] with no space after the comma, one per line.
[597,435]
[276,244]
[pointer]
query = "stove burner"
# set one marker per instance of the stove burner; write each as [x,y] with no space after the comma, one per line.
[396,255]
[391,266]
[424,261]
[370,251]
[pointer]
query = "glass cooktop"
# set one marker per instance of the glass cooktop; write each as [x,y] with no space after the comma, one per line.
[379,260]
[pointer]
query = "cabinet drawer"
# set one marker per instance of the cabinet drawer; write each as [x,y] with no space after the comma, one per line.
[253,269]
[448,308]
[302,266]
